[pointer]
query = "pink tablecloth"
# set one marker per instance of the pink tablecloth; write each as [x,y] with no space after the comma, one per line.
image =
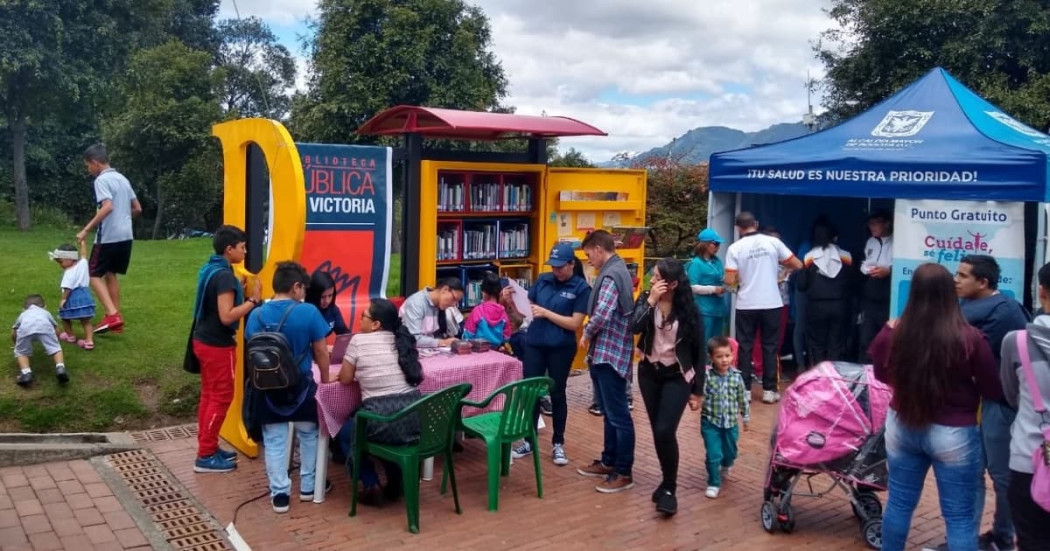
[486,372]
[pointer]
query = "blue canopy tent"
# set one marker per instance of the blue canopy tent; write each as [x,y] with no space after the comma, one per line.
[935,139]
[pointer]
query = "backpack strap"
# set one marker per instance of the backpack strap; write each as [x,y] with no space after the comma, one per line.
[1029,371]
[284,317]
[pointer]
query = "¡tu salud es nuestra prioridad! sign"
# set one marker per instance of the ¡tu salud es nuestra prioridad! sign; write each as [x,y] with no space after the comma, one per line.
[946,231]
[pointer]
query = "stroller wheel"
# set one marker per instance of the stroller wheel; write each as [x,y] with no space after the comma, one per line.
[870,507]
[872,532]
[769,517]
[787,520]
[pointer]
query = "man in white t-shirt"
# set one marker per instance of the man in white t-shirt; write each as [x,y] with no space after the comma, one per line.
[753,265]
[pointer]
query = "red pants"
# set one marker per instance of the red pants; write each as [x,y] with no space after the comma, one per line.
[756,357]
[218,367]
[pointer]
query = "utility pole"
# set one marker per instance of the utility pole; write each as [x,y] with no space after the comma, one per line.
[809,119]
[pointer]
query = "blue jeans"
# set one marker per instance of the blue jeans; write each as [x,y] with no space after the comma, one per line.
[955,455]
[721,449]
[275,440]
[996,419]
[611,388]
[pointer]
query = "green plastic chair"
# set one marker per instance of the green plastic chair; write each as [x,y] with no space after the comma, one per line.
[438,416]
[500,429]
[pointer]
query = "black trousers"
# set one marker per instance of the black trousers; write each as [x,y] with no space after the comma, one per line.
[554,363]
[666,394]
[875,315]
[747,321]
[827,326]
[1031,522]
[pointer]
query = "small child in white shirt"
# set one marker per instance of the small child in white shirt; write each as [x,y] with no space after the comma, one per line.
[77,302]
[36,324]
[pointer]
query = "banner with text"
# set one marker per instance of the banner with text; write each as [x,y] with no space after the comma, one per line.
[946,231]
[349,209]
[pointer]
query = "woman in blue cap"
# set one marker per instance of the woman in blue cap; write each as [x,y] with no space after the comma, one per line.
[559,303]
[707,280]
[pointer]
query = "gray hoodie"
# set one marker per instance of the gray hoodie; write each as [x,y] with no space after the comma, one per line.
[1025,435]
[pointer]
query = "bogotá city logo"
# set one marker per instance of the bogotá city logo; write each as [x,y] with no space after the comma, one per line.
[901,124]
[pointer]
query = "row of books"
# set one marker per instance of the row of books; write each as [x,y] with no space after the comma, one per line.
[450,196]
[483,240]
[448,243]
[514,240]
[517,198]
[484,197]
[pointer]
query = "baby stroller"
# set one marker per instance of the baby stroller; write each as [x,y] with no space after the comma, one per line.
[831,422]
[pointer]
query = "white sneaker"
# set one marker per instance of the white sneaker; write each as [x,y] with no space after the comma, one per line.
[770,397]
[521,451]
[712,492]
[558,455]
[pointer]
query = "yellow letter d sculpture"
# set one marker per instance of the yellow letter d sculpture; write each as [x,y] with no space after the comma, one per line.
[285,230]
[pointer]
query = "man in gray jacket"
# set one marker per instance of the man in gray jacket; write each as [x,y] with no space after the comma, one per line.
[1031,522]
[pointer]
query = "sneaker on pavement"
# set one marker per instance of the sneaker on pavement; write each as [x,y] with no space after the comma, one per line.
[656,492]
[61,375]
[280,503]
[614,483]
[989,542]
[558,455]
[712,492]
[227,455]
[595,469]
[545,406]
[214,464]
[666,502]
[595,410]
[310,496]
[630,405]
[770,397]
[521,451]
[25,379]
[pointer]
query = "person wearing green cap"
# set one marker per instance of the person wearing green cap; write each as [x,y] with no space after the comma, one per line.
[707,280]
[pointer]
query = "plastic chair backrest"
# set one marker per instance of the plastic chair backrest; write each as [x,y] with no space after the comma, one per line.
[519,402]
[438,418]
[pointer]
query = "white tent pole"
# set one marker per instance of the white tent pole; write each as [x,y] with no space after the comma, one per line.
[732,296]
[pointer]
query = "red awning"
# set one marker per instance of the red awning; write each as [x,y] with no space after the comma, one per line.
[472,125]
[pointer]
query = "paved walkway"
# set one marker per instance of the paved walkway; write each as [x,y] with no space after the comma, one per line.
[82,505]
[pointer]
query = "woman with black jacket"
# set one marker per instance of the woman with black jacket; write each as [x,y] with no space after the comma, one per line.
[829,282]
[671,372]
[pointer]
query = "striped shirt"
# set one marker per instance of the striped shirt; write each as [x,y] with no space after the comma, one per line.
[725,399]
[375,358]
[610,331]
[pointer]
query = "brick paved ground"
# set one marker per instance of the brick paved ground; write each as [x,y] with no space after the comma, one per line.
[571,514]
[64,505]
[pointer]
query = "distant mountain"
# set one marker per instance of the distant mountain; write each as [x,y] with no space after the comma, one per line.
[698,144]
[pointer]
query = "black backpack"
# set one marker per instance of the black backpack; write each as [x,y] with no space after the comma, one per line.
[269,361]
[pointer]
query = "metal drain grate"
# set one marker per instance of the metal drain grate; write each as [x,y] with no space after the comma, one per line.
[169,433]
[184,525]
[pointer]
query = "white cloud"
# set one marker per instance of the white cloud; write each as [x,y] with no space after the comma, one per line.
[644,72]
[283,12]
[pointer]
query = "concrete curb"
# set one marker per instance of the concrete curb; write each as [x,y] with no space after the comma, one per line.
[17,449]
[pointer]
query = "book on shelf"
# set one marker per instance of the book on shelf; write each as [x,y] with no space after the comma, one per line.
[592,196]
[479,241]
[628,237]
[517,197]
[450,195]
[484,196]
[513,240]
[448,243]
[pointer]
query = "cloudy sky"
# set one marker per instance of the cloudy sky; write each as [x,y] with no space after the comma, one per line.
[643,71]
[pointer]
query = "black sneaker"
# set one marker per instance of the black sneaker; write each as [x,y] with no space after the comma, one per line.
[25,379]
[595,410]
[61,375]
[666,503]
[280,503]
[988,541]
[656,492]
[545,406]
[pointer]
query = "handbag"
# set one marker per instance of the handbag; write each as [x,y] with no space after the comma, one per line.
[190,363]
[1040,489]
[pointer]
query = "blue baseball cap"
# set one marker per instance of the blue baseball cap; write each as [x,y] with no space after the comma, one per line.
[709,235]
[561,254]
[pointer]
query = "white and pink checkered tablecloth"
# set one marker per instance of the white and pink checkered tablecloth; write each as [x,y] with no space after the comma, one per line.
[486,371]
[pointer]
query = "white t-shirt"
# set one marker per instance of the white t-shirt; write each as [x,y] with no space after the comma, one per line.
[111,185]
[76,276]
[877,253]
[374,356]
[756,258]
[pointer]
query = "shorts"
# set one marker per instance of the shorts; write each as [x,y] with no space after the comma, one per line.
[24,345]
[110,258]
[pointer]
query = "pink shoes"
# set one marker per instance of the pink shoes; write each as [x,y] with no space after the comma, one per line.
[67,337]
[86,345]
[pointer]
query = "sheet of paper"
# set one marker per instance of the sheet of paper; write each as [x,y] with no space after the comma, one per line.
[564,224]
[521,300]
[585,221]
[610,219]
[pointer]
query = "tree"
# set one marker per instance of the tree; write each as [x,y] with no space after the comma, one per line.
[55,59]
[675,205]
[164,130]
[260,72]
[368,55]
[571,158]
[1000,48]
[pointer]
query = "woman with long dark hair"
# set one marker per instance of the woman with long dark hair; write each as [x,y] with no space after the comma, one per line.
[828,280]
[671,372]
[384,361]
[939,368]
[321,293]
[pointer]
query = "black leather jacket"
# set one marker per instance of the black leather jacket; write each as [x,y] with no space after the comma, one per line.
[689,349]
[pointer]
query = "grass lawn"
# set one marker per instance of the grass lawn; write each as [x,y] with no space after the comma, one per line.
[130,381]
